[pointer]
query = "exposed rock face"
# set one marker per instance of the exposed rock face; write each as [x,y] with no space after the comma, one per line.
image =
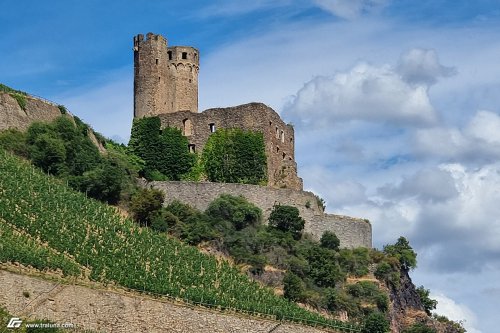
[12,116]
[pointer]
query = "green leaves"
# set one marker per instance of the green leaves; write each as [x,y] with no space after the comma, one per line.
[235,156]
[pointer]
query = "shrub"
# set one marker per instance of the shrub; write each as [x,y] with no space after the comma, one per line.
[14,141]
[330,241]
[237,210]
[21,100]
[62,109]
[375,323]
[293,287]
[163,220]
[49,153]
[145,204]
[428,303]
[287,219]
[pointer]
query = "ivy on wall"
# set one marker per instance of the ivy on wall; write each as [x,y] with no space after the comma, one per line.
[235,156]
[165,152]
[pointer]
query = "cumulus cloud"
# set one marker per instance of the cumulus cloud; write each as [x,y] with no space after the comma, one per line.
[350,9]
[477,142]
[376,94]
[421,66]
[426,185]
[456,312]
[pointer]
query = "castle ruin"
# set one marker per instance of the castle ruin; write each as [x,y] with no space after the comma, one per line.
[166,86]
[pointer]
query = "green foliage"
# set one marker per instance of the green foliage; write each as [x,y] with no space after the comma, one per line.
[324,269]
[197,171]
[163,151]
[62,109]
[293,287]
[330,241]
[14,141]
[355,261]
[403,252]
[235,156]
[49,153]
[163,220]
[388,270]
[457,326]
[236,210]
[145,204]
[21,248]
[20,98]
[4,88]
[375,323]
[116,250]
[287,219]
[419,328]
[320,202]
[428,303]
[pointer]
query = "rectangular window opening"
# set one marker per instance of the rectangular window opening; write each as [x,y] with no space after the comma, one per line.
[192,148]
[212,127]
[157,61]
[184,55]
[169,55]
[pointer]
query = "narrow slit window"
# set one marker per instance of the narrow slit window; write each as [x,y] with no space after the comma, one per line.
[157,61]
[282,136]
[169,55]
[212,127]
[277,133]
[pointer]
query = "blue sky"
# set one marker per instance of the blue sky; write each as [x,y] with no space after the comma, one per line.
[395,106]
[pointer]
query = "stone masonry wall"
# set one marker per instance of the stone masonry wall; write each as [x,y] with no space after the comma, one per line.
[107,311]
[352,232]
[278,136]
[12,116]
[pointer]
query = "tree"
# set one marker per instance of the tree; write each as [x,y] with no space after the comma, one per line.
[287,219]
[428,303]
[237,210]
[293,287]
[330,241]
[145,204]
[403,252]
[375,323]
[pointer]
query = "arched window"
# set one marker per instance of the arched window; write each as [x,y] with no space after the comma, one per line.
[187,127]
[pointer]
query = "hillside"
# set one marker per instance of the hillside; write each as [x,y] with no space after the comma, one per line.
[115,250]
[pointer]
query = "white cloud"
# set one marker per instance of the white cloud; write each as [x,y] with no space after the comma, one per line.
[350,9]
[456,312]
[364,93]
[477,141]
[421,66]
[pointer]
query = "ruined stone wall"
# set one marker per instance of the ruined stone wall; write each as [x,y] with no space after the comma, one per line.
[352,232]
[278,136]
[12,116]
[102,310]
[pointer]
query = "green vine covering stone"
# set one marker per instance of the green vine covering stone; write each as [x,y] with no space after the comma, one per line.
[235,156]
[165,152]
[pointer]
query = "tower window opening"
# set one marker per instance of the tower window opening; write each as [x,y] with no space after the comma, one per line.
[195,56]
[157,61]
[169,55]
[270,123]
[192,148]
[277,133]
[187,127]
[284,156]
[184,55]
[159,78]
[212,127]
[277,150]
[282,136]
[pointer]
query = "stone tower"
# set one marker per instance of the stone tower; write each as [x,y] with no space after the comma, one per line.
[165,78]
[183,71]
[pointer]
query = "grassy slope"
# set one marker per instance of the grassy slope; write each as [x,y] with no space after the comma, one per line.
[117,250]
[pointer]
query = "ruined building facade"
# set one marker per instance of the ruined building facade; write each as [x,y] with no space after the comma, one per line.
[166,85]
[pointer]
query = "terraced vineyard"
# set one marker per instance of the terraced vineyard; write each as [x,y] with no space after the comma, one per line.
[117,250]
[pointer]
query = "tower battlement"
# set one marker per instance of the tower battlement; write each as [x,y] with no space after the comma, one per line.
[165,78]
